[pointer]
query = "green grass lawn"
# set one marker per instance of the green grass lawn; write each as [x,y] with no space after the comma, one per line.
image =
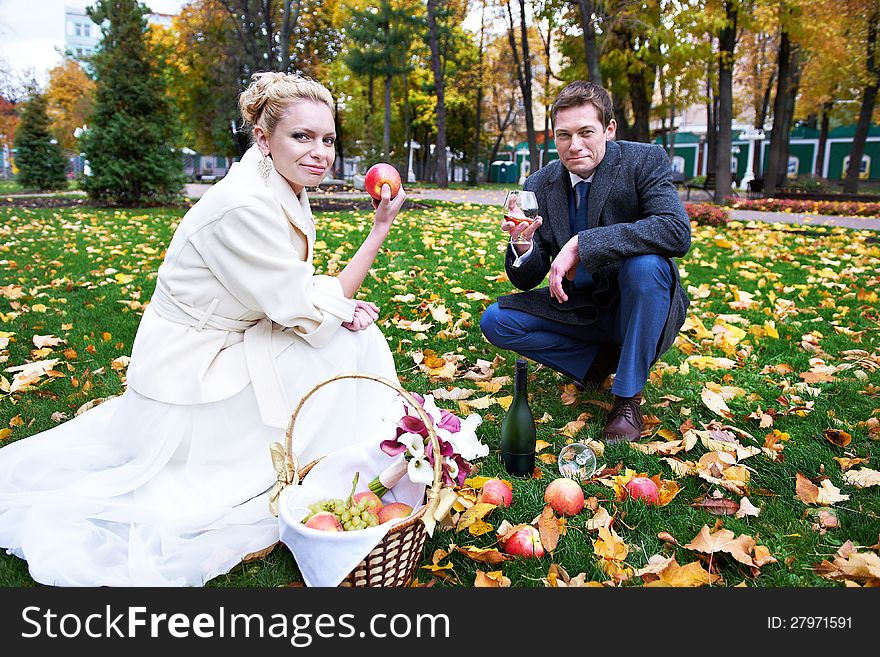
[793,311]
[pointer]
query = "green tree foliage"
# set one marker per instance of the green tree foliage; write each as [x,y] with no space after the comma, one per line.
[380,42]
[128,143]
[38,158]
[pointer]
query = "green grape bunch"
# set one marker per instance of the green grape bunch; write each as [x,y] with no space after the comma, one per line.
[351,515]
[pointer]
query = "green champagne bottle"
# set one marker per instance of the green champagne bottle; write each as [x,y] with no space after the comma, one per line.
[518,428]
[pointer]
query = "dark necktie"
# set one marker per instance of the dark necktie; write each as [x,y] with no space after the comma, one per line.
[582,189]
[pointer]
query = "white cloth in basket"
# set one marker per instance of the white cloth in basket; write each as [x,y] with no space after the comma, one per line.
[325,558]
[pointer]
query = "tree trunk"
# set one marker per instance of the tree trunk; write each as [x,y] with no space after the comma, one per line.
[524,76]
[641,105]
[290,11]
[869,97]
[473,177]
[591,49]
[340,143]
[386,128]
[824,126]
[436,67]
[777,167]
[711,122]
[726,46]
[407,128]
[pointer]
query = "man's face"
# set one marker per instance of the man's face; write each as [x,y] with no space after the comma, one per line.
[581,139]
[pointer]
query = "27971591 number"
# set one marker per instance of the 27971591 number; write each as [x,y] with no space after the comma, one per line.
[809,623]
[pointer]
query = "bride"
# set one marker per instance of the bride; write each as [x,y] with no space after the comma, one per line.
[168,484]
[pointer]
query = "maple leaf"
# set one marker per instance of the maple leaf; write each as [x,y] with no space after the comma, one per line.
[746,508]
[609,546]
[850,564]
[548,528]
[495,579]
[491,556]
[719,506]
[47,341]
[472,518]
[724,540]
[837,437]
[667,571]
[862,478]
[715,403]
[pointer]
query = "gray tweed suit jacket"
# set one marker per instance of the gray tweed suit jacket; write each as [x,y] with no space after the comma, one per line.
[633,209]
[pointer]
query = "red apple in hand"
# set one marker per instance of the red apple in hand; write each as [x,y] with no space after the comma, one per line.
[381,174]
[565,496]
[643,488]
[524,542]
[497,492]
[324,520]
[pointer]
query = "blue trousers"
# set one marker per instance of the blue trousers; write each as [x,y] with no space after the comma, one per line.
[635,323]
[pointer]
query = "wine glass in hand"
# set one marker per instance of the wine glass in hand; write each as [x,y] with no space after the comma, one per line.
[521,208]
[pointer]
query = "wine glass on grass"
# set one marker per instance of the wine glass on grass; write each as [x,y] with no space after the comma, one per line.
[520,207]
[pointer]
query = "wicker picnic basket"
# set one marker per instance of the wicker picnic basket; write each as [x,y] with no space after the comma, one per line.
[394,560]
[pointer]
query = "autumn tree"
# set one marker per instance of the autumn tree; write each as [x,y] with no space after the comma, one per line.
[38,155]
[439,91]
[518,35]
[380,39]
[127,144]
[869,25]
[70,97]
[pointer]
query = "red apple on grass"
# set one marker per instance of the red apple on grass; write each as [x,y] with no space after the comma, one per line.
[643,488]
[565,496]
[394,510]
[524,542]
[497,492]
[381,174]
[325,521]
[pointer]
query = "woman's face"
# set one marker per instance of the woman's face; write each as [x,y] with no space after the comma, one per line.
[303,145]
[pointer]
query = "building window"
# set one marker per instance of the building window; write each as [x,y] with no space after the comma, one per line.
[220,162]
[79,52]
[87,30]
[78,29]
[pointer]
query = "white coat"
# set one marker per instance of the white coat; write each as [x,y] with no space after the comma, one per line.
[237,286]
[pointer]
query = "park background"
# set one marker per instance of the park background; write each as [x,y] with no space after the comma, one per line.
[763,421]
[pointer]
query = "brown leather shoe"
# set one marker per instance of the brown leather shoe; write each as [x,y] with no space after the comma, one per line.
[624,421]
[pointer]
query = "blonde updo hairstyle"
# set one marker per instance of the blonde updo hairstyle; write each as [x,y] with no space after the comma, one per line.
[269,93]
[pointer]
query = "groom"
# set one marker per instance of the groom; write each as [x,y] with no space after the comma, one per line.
[610,222]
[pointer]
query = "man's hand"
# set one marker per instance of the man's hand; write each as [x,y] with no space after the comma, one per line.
[521,229]
[565,265]
[365,314]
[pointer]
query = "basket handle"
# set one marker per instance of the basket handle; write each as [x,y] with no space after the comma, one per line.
[286,464]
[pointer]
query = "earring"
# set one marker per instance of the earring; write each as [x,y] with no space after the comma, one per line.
[264,168]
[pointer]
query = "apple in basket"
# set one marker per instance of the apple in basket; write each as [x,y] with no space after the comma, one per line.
[394,510]
[374,503]
[325,521]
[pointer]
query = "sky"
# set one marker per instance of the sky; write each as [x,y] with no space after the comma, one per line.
[32,32]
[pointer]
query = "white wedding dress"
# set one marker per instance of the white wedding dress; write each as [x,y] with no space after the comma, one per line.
[168,483]
[136,492]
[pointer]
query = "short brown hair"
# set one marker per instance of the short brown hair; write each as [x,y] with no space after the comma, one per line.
[581,92]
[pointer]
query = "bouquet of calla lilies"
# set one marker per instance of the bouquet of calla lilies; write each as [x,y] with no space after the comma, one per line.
[415,452]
